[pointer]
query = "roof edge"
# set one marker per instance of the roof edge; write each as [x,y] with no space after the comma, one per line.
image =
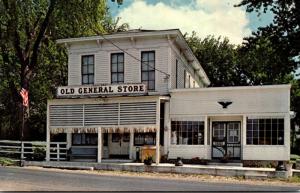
[276,86]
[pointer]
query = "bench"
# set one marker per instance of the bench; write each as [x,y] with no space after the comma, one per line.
[83,153]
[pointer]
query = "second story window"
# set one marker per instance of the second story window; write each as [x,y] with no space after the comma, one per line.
[87,69]
[148,69]
[117,68]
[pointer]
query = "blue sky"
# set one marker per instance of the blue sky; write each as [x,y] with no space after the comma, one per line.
[206,17]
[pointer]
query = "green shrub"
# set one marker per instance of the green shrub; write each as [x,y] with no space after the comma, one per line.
[6,161]
[295,157]
[39,154]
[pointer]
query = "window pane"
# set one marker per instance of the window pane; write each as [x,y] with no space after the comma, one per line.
[145,76]
[84,69]
[151,65]
[152,75]
[91,69]
[84,60]
[144,66]
[85,79]
[114,58]
[151,56]
[151,85]
[249,137]
[91,60]
[144,56]
[281,132]
[280,138]
[91,79]
[114,67]
[114,77]
[201,133]
[274,132]
[121,77]
[120,58]
[121,67]
[76,139]
[261,131]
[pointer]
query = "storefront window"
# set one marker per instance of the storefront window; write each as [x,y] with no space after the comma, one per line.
[187,132]
[141,139]
[265,131]
[84,139]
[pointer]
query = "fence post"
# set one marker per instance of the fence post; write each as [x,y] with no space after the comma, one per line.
[22,150]
[57,151]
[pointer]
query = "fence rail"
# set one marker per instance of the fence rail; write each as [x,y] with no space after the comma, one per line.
[28,149]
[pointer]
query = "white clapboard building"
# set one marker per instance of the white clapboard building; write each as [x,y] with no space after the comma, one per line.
[145,88]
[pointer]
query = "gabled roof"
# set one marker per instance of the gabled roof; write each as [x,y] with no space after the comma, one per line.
[172,33]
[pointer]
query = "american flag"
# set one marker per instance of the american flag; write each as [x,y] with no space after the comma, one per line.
[24,94]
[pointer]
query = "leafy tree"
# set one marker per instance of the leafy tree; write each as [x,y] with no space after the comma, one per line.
[31,59]
[265,62]
[219,60]
[283,37]
[286,24]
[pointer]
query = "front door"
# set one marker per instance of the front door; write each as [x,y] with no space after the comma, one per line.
[226,140]
[119,145]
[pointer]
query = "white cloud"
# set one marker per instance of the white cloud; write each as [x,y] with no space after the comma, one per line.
[206,17]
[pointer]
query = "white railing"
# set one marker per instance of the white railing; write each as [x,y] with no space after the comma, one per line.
[25,149]
[58,151]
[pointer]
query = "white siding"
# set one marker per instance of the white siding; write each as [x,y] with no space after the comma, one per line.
[132,66]
[102,72]
[265,152]
[181,67]
[189,151]
[74,69]
[245,100]
[161,57]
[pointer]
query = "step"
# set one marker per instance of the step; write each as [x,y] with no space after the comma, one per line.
[71,167]
[256,176]
[116,161]
[237,164]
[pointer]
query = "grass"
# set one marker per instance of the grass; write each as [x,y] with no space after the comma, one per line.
[294,179]
[295,157]
[6,161]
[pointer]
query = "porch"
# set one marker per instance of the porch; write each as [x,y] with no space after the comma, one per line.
[111,127]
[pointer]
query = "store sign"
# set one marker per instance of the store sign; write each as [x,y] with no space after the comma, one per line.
[98,90]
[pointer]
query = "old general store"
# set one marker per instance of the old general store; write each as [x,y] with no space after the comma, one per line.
[145,90]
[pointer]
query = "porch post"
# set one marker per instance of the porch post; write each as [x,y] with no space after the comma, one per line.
[243,131]
[48,135]
[99,145]
[157,146]
[167,128]
[206,130]
[131,144]
[69,140]
[157,152]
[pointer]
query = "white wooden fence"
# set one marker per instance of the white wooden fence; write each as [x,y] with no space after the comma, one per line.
[25,149]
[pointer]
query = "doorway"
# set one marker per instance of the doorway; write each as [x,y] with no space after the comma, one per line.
[226,140]
[119,145]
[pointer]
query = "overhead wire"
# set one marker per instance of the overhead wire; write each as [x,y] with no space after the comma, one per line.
[111,42]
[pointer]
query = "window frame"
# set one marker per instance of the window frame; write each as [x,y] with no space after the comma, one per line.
[258,137]
[182,128]
[148,71]
[143,136]
[88,74]
[84,139]
[117,72]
